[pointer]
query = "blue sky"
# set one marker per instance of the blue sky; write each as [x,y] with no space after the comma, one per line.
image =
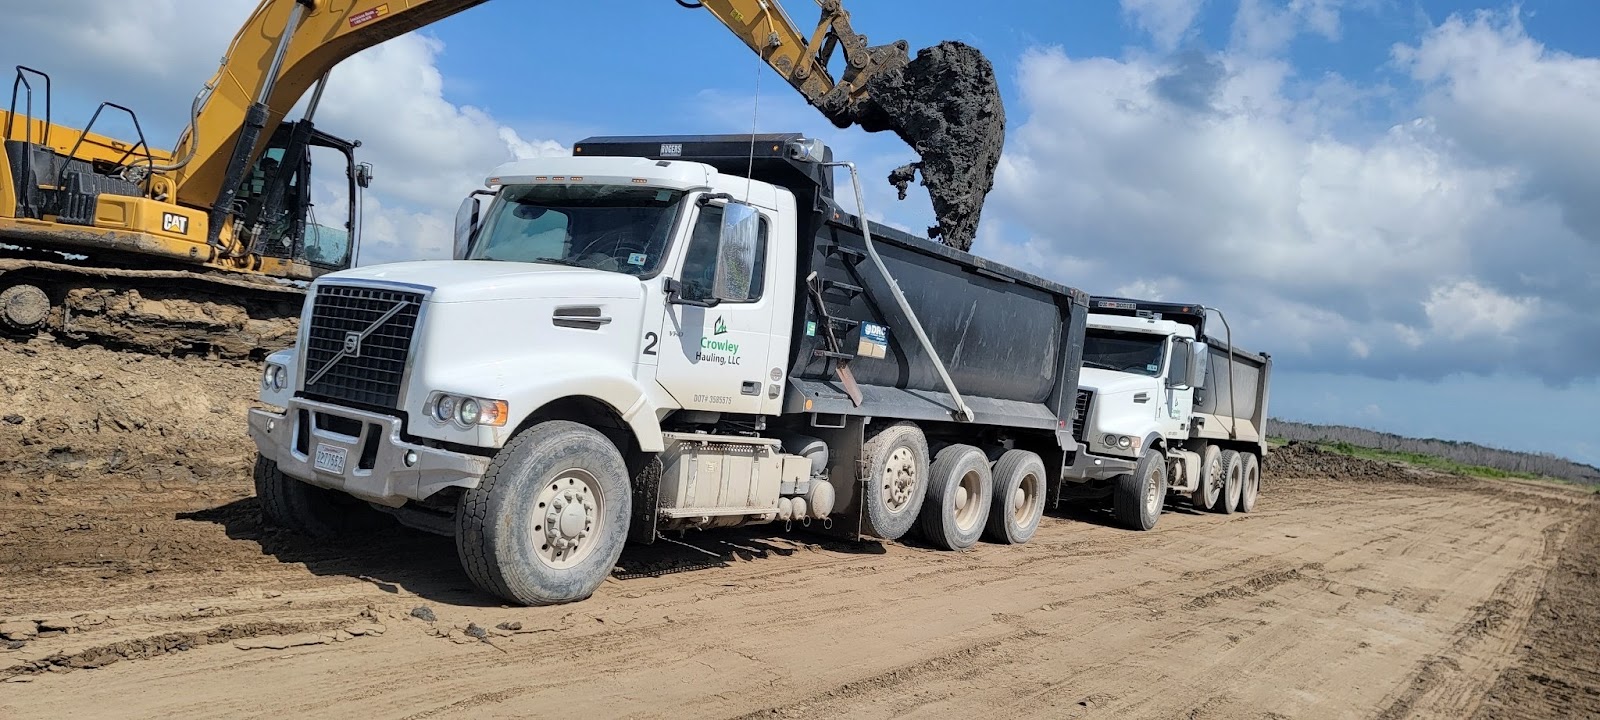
[1394,198]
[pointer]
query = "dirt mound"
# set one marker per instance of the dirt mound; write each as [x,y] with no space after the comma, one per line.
[946,104]
[97,445]
[1308,460]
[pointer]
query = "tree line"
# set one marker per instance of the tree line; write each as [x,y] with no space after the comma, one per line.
[1546,464]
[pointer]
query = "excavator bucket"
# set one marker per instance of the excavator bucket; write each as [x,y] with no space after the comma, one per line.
[946,105]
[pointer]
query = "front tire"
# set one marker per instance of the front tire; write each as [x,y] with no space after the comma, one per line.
[306,509]
[548,521]
[896,461]
[959,498]
[1138,496]
[1018,502]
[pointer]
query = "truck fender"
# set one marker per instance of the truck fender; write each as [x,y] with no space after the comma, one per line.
[1154,440]
[621,393]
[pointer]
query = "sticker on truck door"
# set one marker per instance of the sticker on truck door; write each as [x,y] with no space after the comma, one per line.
[874,341]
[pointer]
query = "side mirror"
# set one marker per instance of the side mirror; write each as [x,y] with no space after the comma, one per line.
[736,252]
[364,174]
[1199,363]
[466,226]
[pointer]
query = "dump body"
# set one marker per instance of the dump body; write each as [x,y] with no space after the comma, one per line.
[1233,404]
[1010,341]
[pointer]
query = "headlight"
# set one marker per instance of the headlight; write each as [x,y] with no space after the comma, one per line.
[1111,441]
[466,412]
[444,410]
[274,378]
[1124,442]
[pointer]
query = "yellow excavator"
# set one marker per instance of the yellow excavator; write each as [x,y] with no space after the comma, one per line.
[206,248]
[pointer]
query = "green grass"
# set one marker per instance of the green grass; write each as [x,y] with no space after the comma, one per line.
[1428,461]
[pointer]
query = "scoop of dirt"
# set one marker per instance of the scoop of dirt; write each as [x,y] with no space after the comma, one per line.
[946,104]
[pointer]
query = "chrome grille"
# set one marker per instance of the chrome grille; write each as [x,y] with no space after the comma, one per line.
[1080,413]
[377,324]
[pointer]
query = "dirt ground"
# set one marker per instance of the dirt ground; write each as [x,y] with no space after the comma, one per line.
[136,581]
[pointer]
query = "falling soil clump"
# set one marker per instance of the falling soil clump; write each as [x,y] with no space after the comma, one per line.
[945,104]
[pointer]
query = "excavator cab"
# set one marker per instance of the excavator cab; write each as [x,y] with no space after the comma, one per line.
[276,206]
[66,191]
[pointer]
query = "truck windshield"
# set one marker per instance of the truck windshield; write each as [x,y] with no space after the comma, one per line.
[1123,351]
[616,228]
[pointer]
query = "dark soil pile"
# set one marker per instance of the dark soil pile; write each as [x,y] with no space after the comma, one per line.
[945,104]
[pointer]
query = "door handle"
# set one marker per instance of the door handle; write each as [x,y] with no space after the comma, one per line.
[750,387]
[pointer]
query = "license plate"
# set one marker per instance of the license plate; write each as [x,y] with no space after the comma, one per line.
[330,459]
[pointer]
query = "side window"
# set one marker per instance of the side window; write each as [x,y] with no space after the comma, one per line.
[1178,369]
[700,260]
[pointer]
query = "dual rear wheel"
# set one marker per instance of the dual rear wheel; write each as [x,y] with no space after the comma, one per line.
[954,498]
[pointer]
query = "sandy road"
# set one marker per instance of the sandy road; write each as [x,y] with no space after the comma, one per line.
[135,571]
[1336,599]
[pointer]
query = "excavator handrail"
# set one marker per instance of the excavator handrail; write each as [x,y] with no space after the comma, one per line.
[11,113]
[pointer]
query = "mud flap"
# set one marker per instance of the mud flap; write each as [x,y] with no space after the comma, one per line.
[646,498]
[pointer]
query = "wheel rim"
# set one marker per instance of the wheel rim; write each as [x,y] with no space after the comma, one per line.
[1252,485]
[1235,488]
[568,518]
[899,478]
[966,500]
[1152,493]
[1024,500]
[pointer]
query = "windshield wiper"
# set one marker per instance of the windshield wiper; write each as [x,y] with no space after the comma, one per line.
[1102,366]
[560,261]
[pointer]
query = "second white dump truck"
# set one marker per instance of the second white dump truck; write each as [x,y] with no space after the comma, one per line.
[1164,409]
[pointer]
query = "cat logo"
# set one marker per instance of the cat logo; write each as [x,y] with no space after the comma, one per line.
[175,223]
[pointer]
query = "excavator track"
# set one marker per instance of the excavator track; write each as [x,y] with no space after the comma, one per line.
[160,312]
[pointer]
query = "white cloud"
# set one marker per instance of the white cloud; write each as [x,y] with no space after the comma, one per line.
[1227,180]
[1167,21]
[1512,101]
[1266,26]
[1467,309]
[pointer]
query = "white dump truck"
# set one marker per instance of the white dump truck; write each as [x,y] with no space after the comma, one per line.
[1165,410]
[665,334]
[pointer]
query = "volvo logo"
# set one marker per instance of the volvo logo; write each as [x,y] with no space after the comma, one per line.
[353,340]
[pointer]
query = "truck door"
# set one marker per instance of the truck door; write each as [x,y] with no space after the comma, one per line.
[720,358]
[1177,398]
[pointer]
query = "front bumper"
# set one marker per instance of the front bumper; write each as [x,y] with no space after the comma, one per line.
[1088,466]
[375,466]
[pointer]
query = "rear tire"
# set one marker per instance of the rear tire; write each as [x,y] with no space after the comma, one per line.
[1208,488]
[1138,497]
[1232,474]
[960,494]
[547,522]
[306,509]
[1018,503]
[1249,483]
[896,462]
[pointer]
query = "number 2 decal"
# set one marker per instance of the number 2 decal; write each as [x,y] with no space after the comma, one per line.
[650,340]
